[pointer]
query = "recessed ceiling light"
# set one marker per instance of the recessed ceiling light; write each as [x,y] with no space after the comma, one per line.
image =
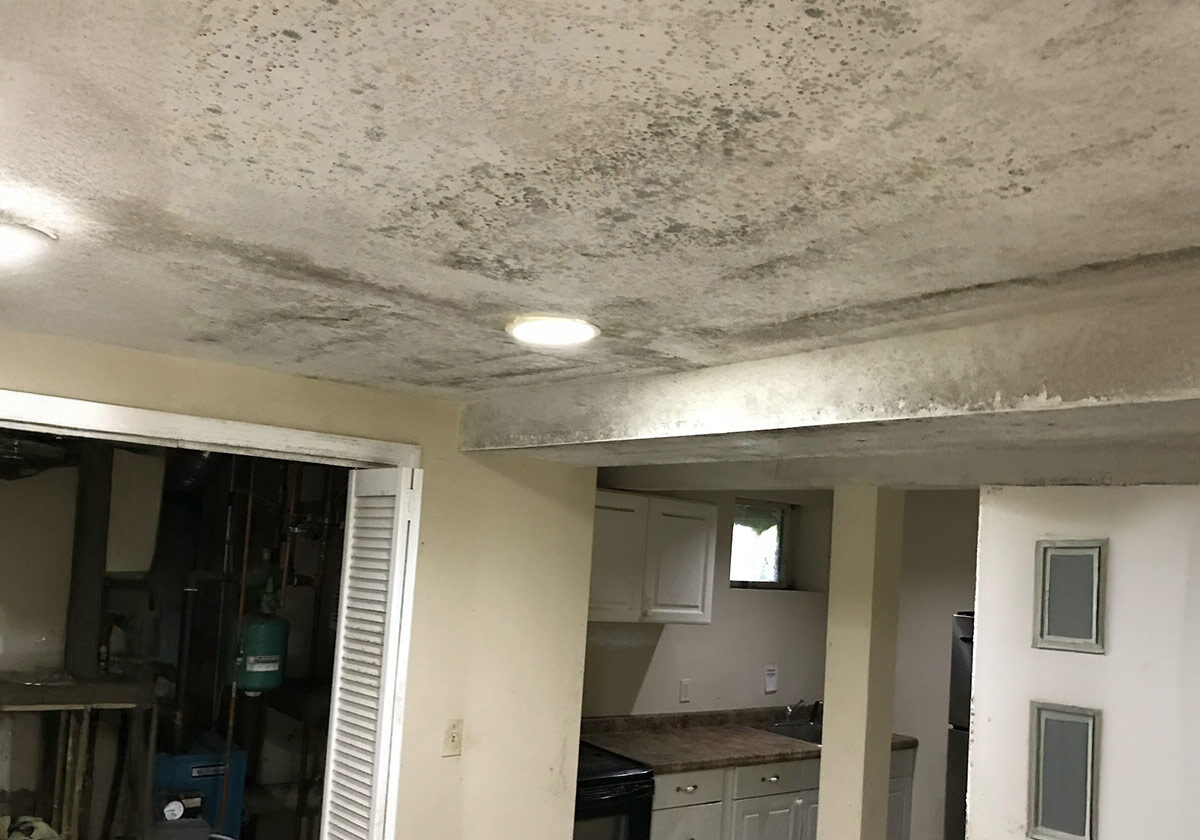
[21,243]
[551,330]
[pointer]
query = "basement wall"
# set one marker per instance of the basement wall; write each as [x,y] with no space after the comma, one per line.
[1147,684]
[501,587]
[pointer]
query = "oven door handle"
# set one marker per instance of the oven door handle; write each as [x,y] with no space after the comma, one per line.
[608,800]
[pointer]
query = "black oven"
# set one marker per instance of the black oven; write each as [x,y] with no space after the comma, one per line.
[612,796]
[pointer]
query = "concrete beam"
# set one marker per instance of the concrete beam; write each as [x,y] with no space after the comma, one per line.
[1069,463]
[1112,372]
[860,662]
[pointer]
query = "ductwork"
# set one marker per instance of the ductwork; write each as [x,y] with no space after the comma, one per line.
[22,456]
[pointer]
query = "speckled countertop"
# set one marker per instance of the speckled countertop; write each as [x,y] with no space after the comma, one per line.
[673,744]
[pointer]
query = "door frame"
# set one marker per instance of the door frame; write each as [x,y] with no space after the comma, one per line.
[32,412]
[62,415]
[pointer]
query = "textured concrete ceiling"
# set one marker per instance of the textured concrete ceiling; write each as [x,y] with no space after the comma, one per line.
[367,190]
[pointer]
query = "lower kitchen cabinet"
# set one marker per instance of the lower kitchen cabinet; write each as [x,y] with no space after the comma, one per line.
[693,822]
[734,804]
[899,813]
[899,816]
[785,816]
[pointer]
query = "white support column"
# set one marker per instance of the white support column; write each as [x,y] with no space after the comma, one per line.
[860,662]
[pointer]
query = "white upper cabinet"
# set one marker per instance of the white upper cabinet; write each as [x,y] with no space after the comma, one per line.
[681,550]
[652,559]
[618,556]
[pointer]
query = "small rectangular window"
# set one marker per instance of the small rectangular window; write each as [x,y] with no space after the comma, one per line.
[757,553]
[1070,595]
[1063,772]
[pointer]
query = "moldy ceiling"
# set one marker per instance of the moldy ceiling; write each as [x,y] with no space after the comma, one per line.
[366,190]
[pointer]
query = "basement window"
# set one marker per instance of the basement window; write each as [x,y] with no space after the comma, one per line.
[756,558]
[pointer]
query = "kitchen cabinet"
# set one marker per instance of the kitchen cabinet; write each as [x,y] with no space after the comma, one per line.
[899,815]
[899,812]
[784,816]
[652,559]
[692,822]
[776,801]
[618,556]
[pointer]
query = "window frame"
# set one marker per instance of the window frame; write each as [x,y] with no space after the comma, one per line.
[1038,712]
[786,560]
[1097,549]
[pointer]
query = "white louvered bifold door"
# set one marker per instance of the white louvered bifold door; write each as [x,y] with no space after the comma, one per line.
[374,626]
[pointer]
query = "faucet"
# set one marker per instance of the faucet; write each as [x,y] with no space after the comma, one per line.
[790,710]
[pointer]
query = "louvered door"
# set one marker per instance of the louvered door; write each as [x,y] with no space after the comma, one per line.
[374,626]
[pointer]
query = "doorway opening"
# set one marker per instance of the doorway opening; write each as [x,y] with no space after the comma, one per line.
[173,635]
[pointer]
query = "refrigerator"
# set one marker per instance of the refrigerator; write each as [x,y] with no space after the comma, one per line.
[959,732]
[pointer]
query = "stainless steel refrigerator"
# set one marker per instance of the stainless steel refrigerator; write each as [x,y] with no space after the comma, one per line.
[959,733]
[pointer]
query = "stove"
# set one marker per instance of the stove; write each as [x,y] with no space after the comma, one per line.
[613,795]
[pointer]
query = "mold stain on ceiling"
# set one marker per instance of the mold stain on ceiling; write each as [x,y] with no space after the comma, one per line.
[367,191]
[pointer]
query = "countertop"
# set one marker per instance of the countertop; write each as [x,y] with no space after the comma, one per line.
[706,747]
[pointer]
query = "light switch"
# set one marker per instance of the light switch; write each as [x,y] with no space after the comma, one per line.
[685,691]
[452,738]
[770,679]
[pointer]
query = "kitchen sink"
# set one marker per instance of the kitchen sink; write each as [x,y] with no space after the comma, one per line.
[810,732]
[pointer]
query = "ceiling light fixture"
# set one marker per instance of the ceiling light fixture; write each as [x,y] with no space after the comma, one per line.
[21,243]
[551,330]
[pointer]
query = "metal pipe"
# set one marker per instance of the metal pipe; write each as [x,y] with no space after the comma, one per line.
[322,567]
[289,540]
[185,656]
[226,566]
[233,683]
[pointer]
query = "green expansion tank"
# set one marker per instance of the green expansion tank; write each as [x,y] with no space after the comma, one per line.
[264,648]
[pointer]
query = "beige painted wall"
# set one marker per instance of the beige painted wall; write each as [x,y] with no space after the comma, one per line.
[37,530]
[636,668]
[501,589]
[937,578]
[1147,683]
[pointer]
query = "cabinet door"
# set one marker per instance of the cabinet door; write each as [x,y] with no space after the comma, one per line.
[899,815]
[810,816]
[618,557]
[782,817]
[681,549]
[695,822]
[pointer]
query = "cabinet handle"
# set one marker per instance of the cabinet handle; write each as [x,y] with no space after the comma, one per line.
[771,779]
[688,789]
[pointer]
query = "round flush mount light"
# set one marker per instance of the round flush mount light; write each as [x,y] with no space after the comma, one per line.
[551,330]
[21,243]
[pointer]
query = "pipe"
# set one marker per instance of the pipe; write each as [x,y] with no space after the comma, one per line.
[226,565]
[192,476]
[233,683]
[185,656]
[289,540]
[319,583]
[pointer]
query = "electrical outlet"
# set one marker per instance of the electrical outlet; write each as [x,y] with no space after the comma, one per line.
[685,691]
[770,679]
[452,738]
